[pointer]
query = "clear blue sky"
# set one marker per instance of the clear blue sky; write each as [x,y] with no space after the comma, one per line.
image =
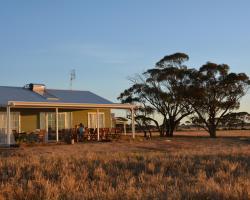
[107,41]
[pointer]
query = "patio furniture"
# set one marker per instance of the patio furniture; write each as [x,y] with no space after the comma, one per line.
[115,133]
[102,133]
[15,134]
[86,134]
[93,134]
[41,136]
[107,133]
[22,137]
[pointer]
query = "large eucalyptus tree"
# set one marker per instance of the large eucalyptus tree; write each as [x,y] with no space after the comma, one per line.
[213,92]
[160,89]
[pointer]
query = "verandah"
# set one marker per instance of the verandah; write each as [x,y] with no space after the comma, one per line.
[100,132]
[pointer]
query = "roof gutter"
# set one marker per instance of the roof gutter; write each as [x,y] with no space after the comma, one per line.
[25,104]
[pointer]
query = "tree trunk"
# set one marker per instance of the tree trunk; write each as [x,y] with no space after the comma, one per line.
[171,127]
[167,132]
[158,128]
[164,127]
[171,133]
[212,131]
[142,128]
[161,132]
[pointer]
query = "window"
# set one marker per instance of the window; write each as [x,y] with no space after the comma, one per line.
[3,122]
[14,121]
[92,120]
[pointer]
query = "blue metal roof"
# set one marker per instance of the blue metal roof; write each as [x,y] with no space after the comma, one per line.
[63,96]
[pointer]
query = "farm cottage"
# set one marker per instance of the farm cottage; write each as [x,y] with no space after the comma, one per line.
[36,109]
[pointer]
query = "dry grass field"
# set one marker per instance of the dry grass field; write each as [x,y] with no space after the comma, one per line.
[188,166]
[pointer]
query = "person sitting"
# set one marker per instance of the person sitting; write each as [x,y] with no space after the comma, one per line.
[81,131]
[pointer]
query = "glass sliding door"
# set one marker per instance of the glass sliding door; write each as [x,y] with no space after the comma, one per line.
[48,122]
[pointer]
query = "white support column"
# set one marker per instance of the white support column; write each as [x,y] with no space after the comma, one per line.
[57,136]
[133,122]
[46,138]
[8,125]
[125,128]
[98,124]
[111,121]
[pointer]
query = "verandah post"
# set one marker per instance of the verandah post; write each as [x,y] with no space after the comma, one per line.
[133,122]
[124,128]
[57,136]
[98,124]
[46,138]
[8,125]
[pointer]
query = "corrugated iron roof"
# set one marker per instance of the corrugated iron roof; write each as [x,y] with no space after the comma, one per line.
[8,93]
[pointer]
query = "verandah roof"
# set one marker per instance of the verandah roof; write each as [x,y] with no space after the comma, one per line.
[22,104]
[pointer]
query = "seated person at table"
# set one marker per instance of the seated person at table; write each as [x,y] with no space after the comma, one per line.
[81,131]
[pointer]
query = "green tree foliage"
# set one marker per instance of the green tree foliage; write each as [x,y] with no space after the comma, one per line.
[144,112]
[213,92]
[175,91]
[160,89]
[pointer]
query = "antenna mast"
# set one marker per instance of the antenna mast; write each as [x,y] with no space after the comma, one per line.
[72,77]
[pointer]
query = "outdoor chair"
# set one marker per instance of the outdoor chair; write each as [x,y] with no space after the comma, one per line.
[87,134]
[113,133]
[116,133]
[74,134]
[15,134]
[93,134]
[62,134]
[107,133]
[102,133]
[41,136]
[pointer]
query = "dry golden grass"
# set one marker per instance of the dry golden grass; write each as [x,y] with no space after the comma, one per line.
[179,168]
[220,133]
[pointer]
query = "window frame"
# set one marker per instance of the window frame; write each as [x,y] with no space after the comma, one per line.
[95,113]
[12,121]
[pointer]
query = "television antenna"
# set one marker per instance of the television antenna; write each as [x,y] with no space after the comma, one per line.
[72,77]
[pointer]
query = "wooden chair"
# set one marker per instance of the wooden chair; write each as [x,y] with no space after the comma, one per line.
[107,133]
[74,134]
[102,133]
[93,134]
[113,133]
[15,134]
[86,134]
[118,133]
[41,136]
